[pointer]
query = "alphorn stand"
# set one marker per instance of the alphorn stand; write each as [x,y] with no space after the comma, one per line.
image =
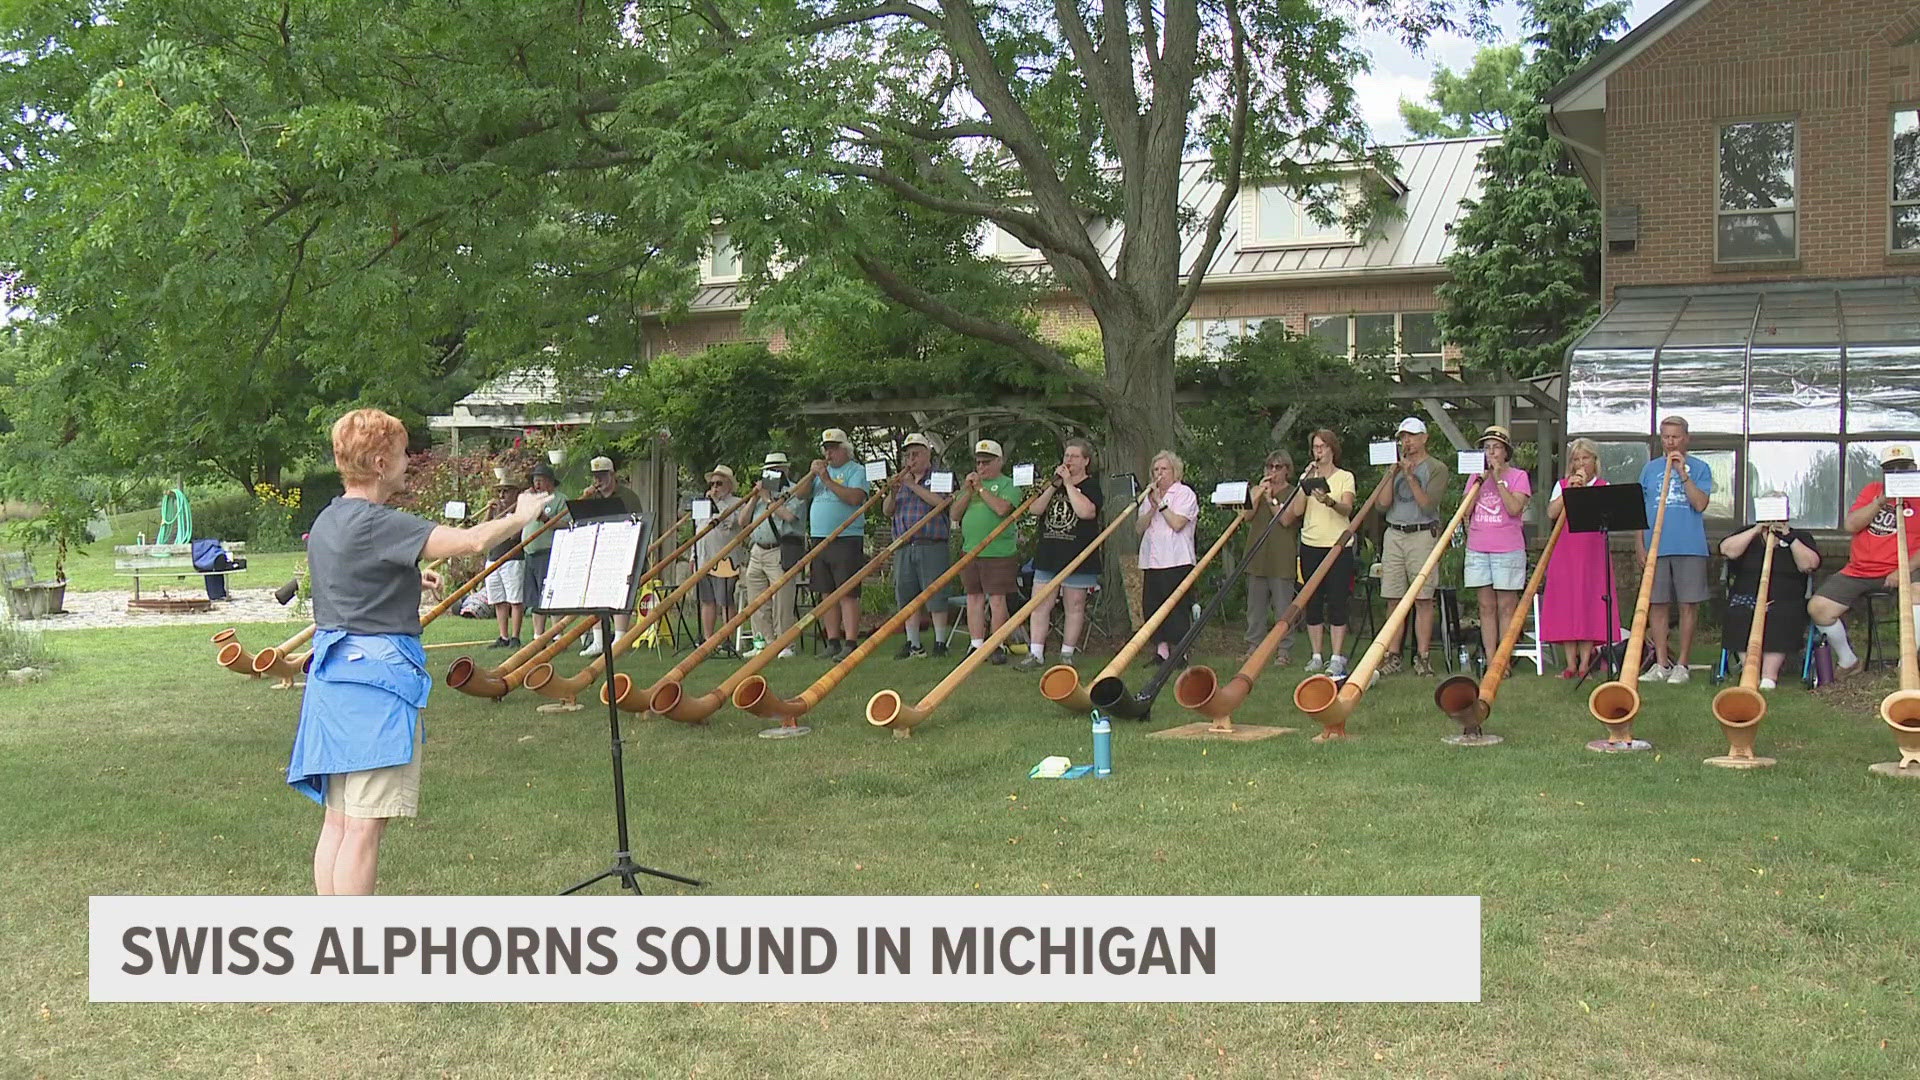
[1605,509]
[585,578]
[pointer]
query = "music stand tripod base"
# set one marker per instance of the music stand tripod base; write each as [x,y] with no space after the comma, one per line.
[1728,761]
[1895,769]
[1608,746]
[559,707]
[1473,740]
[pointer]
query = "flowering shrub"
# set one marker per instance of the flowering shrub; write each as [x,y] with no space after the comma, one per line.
[272,514]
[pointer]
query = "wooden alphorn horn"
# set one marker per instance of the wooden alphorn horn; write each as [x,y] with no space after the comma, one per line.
[753,694]
[233,656]
[1200,689]
[638,702]
[1615,703]
[1901,709]
[669,699]
[1739,708]
[889,710]
[541,679]
[1330,702]
[1469,703]
[497,682]
[1061,683]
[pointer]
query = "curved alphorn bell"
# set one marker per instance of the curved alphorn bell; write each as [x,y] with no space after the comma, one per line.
[889,710]
[1108,693]
[638,702]
[1469,702]
[1739,708]
[753,694]
[669,699]
[1616,703]
[541,679]
[1901,709]
[499,681]
[1332,702]
[1061,683]
[1200,689]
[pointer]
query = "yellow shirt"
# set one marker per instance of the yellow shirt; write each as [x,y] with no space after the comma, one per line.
[1323,524]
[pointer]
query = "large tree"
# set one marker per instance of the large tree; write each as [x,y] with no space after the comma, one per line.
[1525,272]
[1481,100]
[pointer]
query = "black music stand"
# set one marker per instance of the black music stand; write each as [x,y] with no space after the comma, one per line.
[604,605]
[1605,509]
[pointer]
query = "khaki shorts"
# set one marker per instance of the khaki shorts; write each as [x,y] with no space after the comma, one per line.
[379,793]
[1401,556]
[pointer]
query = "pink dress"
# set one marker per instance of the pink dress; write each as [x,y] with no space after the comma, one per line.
[1572,604]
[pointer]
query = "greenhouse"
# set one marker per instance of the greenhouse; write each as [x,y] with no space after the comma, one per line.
[1793,388]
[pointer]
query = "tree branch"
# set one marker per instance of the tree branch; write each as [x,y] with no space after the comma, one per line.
[854,16]
[1230,183]
[1111,85]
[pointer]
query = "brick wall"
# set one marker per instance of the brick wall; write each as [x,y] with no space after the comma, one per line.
[693,333]
[1292,301]
[1836,67]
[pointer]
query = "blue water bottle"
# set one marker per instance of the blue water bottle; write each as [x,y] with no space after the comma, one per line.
[1102,745]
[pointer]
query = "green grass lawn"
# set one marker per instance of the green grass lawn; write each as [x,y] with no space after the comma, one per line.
[1644,916]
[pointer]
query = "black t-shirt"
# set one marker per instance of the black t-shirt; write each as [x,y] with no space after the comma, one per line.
[1064,534]
[1787,585]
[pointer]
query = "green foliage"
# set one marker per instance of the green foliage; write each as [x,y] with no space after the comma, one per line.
[61,526]
[20,646]
[1483,100]
[1525,271]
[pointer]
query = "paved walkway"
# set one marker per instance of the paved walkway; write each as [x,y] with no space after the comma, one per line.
[107,610]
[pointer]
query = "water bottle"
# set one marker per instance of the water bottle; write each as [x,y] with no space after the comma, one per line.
[1463,658]
[1102,745]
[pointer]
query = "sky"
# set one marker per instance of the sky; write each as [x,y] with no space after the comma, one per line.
[1398,72]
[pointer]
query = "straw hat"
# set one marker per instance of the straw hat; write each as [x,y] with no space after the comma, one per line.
[1496,433]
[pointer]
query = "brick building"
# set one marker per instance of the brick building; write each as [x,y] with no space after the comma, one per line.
[1758,162]
[1274,261]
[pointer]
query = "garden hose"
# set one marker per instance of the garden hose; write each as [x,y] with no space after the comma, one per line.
[175,512]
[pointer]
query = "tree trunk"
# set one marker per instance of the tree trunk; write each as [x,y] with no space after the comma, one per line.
[1140,419]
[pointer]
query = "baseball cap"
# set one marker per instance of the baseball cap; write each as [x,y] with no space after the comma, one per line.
[775,458]
[916,439]
[1896,452]
[1411,425]
[721,470]
[833,435]
[988,446]
[600,464]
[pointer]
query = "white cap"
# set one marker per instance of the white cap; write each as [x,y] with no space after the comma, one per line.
[916,439]
[600,464]
[988,446]
[1411,425]
[833,435]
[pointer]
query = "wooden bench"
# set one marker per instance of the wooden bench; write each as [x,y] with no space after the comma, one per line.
[166,560]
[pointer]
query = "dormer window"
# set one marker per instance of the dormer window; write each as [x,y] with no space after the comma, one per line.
[723,260]
[1271,217]
[1008,247]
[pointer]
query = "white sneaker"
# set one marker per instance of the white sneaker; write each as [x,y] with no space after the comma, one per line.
[1678,675]
[1657,673]
[1315,664]
[593,649]
[751,653]
[1766,684]
[786,654]
[1337,667]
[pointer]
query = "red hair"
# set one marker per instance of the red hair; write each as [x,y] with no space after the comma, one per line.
[362,436]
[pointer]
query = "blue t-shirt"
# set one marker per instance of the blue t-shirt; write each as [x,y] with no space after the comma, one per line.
[828,510]
[1685,532]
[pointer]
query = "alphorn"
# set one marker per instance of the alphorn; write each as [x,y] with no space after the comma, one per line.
[233,656]
[670,700]
[1615,703]
[1901,709]
[889,710]
[1331,703]
[541,679]
[1061,683]
[1200,689]
[1468,702]
[753,694]
[497,682]
[638,702]
[1109,694]
[1739,708]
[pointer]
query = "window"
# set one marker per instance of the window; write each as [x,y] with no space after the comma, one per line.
[1008,247]
[1272,218]
[723,261]
[1757,216]
[1413,338]
[1209,338]
[1906,180]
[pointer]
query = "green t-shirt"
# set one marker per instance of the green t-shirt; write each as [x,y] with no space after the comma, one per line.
[980,519]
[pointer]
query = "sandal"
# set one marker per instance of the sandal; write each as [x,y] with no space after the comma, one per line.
[1569,673]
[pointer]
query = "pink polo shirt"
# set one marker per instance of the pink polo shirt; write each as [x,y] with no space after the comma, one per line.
[1160,547]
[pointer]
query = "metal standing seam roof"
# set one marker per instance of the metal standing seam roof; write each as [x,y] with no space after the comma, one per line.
[1438,175]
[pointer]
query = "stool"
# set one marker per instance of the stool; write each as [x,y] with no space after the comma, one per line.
[1873,621]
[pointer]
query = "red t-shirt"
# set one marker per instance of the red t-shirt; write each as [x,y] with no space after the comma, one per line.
[1872,554]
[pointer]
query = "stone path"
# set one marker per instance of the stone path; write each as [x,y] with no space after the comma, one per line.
[108,609]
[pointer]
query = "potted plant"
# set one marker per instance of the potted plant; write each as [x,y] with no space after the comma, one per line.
[62,526]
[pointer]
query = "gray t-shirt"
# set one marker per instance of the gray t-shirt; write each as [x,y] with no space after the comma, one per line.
[363,557]
[1405,511]
[728,509]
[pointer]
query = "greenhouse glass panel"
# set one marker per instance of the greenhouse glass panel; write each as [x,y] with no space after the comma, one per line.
[1794,390]
[1807,473]
[1703,385]
[1607,390]
[1863,467]
[1621,462]
[1883,388]
[1720,499]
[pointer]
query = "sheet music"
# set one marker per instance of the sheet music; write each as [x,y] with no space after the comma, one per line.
[1023,476]
[1902,485]
[940,483]
[456,511]
[592,566]
[876,471]
[1383,453]
[1774,509]
[1230,493]
[702,511]
[1472,461]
